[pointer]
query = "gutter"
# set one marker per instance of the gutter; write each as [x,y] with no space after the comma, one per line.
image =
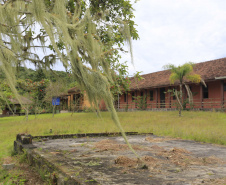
[220,78]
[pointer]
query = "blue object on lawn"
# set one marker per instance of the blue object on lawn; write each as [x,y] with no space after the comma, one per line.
[56,101]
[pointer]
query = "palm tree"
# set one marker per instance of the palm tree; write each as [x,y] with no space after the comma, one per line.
[183,73]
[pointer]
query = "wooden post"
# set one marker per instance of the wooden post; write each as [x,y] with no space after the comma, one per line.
[156,94]
[201,96]
[222,94]
[169,98]
[127,100]
[136,99]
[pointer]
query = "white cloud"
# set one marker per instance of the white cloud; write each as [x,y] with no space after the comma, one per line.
[178,31]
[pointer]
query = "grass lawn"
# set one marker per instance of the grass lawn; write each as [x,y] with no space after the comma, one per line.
[199,126]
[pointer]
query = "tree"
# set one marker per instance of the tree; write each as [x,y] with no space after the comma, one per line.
[34,91]
[53,91]
[120,81]
[5,95]
[182,74]
[74,31]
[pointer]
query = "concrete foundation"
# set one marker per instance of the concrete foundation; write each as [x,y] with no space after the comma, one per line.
[106,159]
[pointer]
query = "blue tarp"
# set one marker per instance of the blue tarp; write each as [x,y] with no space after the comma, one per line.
[56,101]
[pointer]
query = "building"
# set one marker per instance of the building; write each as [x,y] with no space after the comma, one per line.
[154,88]
[14,106]
[77,100]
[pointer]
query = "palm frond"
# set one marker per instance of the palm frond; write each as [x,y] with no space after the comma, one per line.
[203,82]
[181,72]
[190,96]
[173,78]
[194,78]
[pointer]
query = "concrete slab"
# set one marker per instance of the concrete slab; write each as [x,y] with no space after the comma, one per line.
[108,160]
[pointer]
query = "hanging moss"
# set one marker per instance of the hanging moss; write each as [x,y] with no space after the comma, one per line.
[77,33]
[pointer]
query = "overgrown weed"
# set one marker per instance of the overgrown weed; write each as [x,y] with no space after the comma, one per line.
[199,126]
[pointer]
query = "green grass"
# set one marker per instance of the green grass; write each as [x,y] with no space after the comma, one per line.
[199,126]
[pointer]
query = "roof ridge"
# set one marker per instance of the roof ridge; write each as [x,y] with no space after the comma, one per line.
[185,62]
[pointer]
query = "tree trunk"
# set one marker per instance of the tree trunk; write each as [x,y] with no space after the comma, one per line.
[53,109]
[27,113]
[180,99]
[73,109]
[35,109]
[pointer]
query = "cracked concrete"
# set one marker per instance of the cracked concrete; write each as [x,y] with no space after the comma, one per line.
[108,160]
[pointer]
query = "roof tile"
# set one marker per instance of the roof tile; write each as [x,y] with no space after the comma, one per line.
[208,71]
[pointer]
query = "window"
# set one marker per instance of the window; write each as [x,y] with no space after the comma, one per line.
[224,86]
[133,95]
[173,94]
[141,94]
[205,92]
[151,95]
[174,97]
[125,97]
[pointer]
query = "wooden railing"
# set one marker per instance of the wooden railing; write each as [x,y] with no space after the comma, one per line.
[205,104]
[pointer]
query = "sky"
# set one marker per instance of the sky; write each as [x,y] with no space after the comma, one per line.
[175,32]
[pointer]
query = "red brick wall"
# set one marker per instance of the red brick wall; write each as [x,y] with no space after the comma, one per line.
[122,104]
[213,101]
[224,96]
[195,88]
[151,103]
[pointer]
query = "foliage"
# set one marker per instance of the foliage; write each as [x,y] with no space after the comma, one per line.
[81,36]
[121,82]
[54,90]
[36,89]
[5,94]
[181,74]
[39,74]
[141,102]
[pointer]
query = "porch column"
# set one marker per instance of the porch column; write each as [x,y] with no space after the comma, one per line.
[136,99]
[127,98]
[156,95]
[222,93]
[201,96]
[68,101]
[169,98]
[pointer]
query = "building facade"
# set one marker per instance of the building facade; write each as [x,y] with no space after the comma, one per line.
[153,92]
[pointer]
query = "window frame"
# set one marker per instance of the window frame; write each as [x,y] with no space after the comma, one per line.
[125,97]
[224,86]
[205,92]
[133,95]
[151,94]
[141,93]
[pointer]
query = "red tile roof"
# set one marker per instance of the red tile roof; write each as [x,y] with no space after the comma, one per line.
[208,71]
